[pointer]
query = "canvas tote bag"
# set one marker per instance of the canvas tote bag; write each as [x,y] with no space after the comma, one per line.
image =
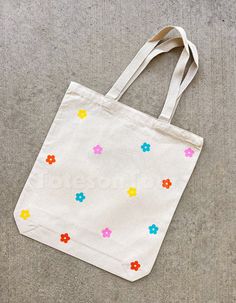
[108,177]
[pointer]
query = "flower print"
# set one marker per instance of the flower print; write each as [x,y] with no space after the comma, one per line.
[132,191]
[166,183]
[82,114]
[65,238]
[134,265]
[25,214]
[97,149]
[189,152]
[146,147]
[80,197]
[50,159]
[106,232]
[153,229]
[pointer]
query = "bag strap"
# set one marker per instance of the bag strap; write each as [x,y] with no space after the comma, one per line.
[151,49]
[162,48]
[170,106]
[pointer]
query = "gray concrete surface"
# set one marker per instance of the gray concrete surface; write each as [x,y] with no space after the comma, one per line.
[46,44]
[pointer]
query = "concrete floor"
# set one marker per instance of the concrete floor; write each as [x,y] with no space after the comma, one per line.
[46,44]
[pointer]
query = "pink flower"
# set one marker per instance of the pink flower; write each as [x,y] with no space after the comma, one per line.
[97,149]
[189,152]
[106,232]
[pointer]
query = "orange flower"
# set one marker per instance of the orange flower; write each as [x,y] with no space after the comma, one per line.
[166,183]
[135,265]
[65,238]
[50,159]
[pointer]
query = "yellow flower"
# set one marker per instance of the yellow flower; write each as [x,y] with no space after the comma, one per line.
[82,113]
[132,191]
[25,214]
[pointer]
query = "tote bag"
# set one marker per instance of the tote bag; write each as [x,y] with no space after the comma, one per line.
[108,177]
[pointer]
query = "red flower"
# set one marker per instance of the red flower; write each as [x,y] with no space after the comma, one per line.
[166,183]
[65,238]
[135,265]
[50,159]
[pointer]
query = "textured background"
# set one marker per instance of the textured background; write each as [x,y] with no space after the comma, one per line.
[46,44]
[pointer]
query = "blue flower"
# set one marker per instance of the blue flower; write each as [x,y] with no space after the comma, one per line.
[153,229]
[80,197]
[146,147]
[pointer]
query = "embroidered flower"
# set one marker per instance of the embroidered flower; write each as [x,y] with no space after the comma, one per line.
[65,238]
[189,152]
[80,197]
[82,114]
[97,149]
[134,265]
[145,147]
[25,214]
[166,183]
[153,229]
[132,191]
[106,232]
[51,159]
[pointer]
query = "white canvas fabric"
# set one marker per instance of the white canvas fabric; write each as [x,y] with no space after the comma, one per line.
[108,178]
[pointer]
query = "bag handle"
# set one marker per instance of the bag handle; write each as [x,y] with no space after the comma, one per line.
[151,49]
[169,108]
[164,47]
